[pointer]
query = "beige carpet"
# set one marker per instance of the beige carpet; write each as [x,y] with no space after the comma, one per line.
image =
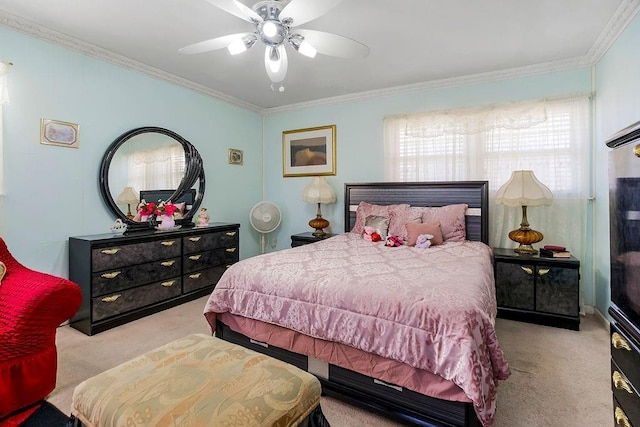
[559,377]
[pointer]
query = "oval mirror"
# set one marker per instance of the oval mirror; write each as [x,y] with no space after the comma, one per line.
[154,164]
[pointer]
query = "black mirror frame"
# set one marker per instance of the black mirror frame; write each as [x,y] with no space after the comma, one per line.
[194,171]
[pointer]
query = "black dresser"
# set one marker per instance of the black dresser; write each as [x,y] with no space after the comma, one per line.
[624,221]
[124,278]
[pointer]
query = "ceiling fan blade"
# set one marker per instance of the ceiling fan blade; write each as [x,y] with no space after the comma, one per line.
[333,44]
[238,9]
[212,44]
[302,11]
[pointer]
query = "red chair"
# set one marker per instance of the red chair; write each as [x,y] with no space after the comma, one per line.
[32,306]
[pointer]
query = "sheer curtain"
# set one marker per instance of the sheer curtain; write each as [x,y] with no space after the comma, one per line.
[160,168]
[548,136]
[4,98]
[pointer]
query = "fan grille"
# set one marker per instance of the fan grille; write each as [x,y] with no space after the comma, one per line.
[265,217]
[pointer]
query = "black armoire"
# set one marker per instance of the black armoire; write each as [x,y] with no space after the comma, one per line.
[624,204]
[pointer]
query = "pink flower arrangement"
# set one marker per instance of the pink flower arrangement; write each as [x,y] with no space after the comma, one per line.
[159,209]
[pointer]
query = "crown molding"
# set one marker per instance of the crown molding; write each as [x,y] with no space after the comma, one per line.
[61,39]
[627,10]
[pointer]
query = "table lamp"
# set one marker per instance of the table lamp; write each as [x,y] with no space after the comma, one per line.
[129,197]
[319,192]
[524,189]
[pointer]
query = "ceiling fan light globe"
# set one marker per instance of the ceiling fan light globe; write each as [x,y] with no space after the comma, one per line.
[307,49]
[237,47]
[269,29]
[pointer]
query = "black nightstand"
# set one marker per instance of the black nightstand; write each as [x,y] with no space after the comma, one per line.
[537,289]
[306,238]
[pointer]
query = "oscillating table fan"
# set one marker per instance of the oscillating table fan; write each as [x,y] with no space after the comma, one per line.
[264,218]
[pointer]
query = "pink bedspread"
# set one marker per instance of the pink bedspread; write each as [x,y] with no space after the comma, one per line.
[433,309]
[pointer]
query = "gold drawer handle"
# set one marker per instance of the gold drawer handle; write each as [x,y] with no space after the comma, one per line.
[232,250]
[168,283]
[168,263]
[621,418]
[111,251]
[195,257]
[111,275]
[543,271]
[618,342]
[167,242]
[112,298]
[195,239]
[195,276]
[527,270]
[231,233]
[620,382]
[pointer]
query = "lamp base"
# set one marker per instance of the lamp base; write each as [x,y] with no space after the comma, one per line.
[319,223]
[526,237]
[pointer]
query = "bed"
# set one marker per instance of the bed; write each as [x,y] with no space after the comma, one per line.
[401,331]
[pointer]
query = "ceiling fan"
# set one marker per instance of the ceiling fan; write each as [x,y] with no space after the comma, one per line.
[276,25]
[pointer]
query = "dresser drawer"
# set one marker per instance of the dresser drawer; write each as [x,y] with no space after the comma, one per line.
[208,241]
[110,257]
[202,279]
[625,352]
[202,260]
[398,395]
[131,299]
[625,393]
[620,417]
[128,277]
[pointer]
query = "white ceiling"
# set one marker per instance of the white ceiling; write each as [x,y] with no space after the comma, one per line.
[414,43]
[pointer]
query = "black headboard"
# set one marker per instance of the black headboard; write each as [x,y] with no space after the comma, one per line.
[474,193]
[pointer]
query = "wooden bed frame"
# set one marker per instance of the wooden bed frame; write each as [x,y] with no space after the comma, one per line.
[394,402]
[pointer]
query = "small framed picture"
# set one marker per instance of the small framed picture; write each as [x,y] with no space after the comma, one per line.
[235,156]
[309,152]
[56,132]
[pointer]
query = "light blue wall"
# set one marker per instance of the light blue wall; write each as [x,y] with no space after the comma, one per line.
[617,106]
[52,192]
[360,141]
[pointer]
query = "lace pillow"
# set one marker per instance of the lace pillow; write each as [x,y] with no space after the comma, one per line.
[451,219]
[390,211]
[380,223]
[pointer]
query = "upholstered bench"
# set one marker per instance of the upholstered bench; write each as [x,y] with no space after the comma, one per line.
[200,380]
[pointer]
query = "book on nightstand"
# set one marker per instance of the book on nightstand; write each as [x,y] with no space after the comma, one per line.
[553,251]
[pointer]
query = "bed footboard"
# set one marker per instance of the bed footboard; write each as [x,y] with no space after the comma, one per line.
[368,393]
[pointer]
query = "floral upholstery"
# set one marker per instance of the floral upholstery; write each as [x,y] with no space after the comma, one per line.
[199,380]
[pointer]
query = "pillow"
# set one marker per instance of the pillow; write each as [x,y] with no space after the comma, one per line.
[401,217]
[366,209]
[451,219]
[414,230]
[3,270]
[380,223]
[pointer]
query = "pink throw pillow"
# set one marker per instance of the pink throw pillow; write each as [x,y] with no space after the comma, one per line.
[451,219]
[414,230]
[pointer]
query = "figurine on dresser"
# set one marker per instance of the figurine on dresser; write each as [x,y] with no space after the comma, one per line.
[203,218]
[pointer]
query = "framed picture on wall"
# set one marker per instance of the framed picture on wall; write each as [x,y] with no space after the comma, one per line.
[309,152]
[63,134]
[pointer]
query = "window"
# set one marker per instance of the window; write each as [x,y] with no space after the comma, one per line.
[549,136]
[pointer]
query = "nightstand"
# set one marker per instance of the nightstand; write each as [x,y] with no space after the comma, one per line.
[537,289]
[306,238]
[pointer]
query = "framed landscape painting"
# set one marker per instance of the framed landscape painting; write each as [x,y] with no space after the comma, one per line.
[309,152]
